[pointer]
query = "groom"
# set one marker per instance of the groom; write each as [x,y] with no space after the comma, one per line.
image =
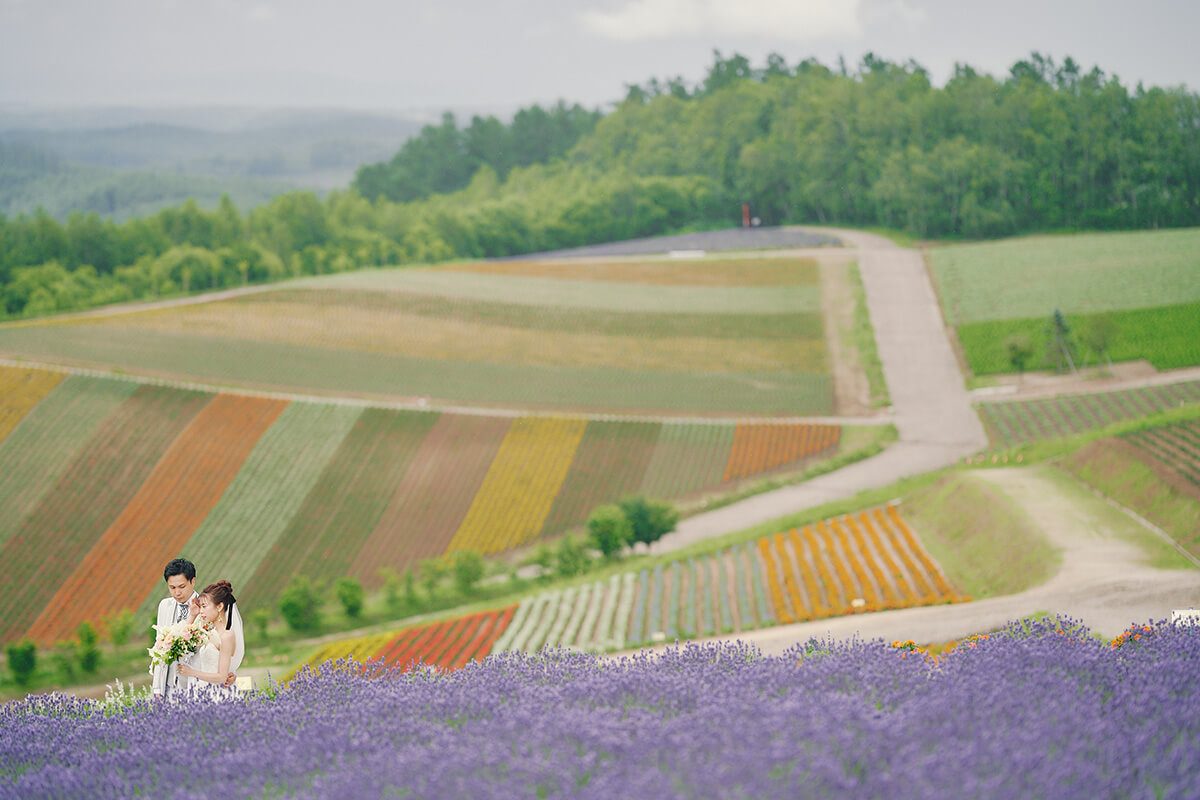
[180,576]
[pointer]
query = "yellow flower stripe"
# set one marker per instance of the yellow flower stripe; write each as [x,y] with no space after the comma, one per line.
[783,614]
[519,489]
[21,389]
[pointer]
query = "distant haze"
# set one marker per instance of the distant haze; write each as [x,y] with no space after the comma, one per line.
[494,57]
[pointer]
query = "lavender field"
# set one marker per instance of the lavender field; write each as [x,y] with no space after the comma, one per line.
[1042,709]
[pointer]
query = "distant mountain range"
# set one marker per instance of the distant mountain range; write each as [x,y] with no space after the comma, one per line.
[124,162]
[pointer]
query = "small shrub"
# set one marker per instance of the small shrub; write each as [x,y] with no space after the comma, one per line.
[570,559]
[87,647]
[350,594]
[391,589]
[468,568]
[300,604]
[650,519]
[22,661]
[120,627]
[544,558]
[260,618]
[609,530]
[410,589]
[432,571]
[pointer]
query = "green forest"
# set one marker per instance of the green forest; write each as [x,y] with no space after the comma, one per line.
[1046,147]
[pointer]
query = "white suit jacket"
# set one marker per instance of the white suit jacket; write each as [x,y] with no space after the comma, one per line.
[166,616]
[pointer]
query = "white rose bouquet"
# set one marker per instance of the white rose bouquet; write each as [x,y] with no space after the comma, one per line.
[176,641]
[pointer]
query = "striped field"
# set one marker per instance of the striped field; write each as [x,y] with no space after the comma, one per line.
[105,480]
[858,563]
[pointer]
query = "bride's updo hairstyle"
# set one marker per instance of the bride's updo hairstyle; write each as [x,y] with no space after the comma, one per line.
[221,593]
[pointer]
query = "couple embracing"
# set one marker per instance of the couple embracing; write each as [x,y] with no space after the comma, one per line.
[200,641]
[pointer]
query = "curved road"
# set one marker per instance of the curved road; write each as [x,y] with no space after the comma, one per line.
[931,409]
[1102,579]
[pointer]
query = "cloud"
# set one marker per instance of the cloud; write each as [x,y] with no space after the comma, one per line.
[793,20]
[262,13]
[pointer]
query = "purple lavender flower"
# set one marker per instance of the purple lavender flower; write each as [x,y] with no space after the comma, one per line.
[1040,710]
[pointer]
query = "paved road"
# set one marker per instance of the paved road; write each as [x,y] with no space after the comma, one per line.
[932,411]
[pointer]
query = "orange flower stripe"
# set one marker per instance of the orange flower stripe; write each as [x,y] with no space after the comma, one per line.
[905,596]
[845,581]
[519,489]
[857,555]
[178,494]
[790,579]
[829,602]
[21,389]
[758,447]
[939,579]
[774,590]
[922,584]
[808,576]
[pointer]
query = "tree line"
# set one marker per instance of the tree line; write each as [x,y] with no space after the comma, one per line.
[1047,147]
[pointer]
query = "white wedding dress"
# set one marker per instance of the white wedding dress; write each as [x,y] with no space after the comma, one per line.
[208,659]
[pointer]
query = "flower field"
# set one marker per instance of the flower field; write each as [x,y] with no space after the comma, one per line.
[170,504]
[104,480]
[866,562]
[731,336]
[1039,709]
[48,545]
[1010,423]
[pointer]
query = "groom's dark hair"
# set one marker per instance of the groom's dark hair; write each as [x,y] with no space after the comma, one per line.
[180,566]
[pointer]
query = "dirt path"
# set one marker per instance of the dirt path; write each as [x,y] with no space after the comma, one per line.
[1103,580]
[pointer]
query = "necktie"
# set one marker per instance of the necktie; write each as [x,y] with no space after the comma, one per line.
[181,613]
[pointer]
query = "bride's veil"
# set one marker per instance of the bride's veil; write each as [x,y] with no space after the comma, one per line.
[235,624]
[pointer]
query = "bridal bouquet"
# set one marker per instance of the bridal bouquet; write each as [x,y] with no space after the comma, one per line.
[176,641]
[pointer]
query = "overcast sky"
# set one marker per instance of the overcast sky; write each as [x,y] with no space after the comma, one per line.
[502,54]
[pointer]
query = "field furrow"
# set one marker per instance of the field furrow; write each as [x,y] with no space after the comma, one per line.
[687,457]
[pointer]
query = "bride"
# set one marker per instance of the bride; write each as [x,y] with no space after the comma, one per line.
[216,662]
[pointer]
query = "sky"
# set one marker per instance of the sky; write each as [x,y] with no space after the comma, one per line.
[499,55]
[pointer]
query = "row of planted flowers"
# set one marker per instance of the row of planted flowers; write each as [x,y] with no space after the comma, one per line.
[1040,709]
